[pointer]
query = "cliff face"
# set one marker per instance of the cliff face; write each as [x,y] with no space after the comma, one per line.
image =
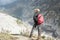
[51,11]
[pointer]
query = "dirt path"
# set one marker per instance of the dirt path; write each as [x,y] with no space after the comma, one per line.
[20,37]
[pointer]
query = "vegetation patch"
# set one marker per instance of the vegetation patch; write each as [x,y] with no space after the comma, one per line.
[4,36]
[19,22]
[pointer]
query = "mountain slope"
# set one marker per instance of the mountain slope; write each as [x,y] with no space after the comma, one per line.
[11,25]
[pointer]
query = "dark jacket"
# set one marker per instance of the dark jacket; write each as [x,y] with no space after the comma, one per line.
[35,18]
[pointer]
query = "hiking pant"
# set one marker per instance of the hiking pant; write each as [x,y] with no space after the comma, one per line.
[39,31]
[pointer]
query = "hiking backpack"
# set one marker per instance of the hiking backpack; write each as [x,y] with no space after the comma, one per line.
[40,19]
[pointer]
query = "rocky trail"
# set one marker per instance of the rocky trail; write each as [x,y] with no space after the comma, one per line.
[20,37]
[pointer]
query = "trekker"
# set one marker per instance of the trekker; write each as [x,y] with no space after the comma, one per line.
[38,20]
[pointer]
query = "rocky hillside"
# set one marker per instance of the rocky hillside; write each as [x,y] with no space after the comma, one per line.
[12,26]
[9,24]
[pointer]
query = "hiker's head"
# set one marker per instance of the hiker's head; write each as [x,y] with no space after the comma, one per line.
[36,10]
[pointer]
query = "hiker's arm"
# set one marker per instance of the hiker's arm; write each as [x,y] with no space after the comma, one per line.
[35,17]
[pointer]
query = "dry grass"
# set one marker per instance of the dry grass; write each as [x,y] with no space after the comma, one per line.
[42,37]
[19,22]
[4,36]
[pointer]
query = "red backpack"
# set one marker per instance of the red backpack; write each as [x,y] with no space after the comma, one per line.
[40,19]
